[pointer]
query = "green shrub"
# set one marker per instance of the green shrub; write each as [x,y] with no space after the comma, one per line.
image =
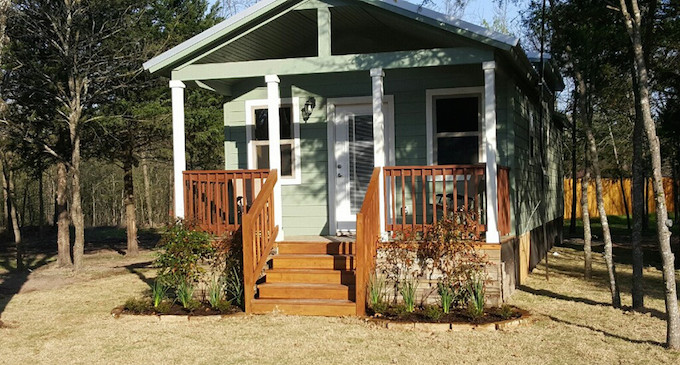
[433,312]
[215,292]
[407,289]
[476,292]
[505,311]
[138,306]
[446,295]
[234,287]
[376,290]
[159,292]
[182,250]
[380,307]
[185,295]
[164,307]
[223,306]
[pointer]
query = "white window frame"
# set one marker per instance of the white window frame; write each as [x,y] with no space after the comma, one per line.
[430,96]
[251,106]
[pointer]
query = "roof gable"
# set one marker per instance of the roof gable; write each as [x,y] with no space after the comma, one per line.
[262,22]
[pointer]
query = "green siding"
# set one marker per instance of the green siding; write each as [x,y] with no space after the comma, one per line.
[306,206]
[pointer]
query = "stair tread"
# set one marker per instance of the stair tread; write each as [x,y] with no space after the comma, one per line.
[306,285]
[311,255]
[311,271]
[338,302]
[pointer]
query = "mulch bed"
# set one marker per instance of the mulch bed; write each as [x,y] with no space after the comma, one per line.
[177,310]
[456,315]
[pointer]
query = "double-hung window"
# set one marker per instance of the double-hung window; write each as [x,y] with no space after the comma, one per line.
[457,129]
[257,124]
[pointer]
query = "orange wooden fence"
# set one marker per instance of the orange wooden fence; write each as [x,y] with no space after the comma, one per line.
[368,234]
[418,196]
[259,235]
[613,197]
[215,200]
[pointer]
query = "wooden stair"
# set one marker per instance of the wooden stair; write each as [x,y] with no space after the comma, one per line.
[309,278]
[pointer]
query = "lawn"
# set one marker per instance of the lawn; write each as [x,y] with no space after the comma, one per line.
[62,317]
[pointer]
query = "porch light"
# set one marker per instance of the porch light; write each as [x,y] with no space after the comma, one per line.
[307,109]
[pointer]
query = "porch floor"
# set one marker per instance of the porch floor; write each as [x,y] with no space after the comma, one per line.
[312,238]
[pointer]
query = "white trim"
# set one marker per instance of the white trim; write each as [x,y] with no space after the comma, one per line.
[430,94]
[178,144]
[492,233]
[332,153]
[250,106]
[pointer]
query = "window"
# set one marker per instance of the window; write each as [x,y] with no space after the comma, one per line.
[457,122]
[257,135]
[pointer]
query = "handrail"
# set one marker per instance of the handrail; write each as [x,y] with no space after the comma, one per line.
[368,234]
[215,200]
[259,237]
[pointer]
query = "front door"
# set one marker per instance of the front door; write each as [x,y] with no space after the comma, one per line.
[354,157]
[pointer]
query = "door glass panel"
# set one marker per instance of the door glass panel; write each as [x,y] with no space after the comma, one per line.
[360,158]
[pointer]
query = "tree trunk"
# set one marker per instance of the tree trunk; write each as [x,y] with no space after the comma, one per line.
[595,164]
[147,192]
[63,221]
[76,200]
[633,24]
[572,223]
[130,219]
[41,204]
[6,204]
[585,216]
[8,189]
[639,202]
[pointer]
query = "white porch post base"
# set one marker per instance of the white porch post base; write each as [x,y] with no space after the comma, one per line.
[273,104]
[379,158]
[178,145]
[492,234]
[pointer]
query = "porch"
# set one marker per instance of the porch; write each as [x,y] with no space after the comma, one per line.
[322,276]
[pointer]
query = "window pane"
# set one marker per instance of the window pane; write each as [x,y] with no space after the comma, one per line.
[262,156]
[286,160]
[457,150]
[262,123]
[457,114]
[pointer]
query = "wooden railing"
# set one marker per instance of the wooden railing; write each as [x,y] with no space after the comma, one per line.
[215,200]
[259,236]
[368,234]
[418,196]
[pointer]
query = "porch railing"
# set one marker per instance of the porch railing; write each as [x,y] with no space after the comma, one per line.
[215,200]
[259,235]
[418,196]
[368,234]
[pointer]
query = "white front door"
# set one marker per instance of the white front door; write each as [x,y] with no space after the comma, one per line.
[354,161]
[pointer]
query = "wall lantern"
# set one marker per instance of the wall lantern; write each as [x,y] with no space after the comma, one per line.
[307,109]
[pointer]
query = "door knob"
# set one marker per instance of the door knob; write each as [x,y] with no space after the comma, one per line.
[339,166]
[339,175]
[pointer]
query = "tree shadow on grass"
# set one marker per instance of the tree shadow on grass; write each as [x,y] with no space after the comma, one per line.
[138,268]
[605,333]
[550,294]
[13,280]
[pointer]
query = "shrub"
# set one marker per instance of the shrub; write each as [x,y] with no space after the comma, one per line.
[138,306]
[376,290]
[234,287]
[476,292]
[164,307]
[433,312]
[215,291]
[407,289]
[158,292]
[182,250]
[505,311]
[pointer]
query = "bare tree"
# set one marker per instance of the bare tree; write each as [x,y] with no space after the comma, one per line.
[585,216]
[633,21]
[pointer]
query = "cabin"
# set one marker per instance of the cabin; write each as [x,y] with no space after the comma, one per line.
[350,120]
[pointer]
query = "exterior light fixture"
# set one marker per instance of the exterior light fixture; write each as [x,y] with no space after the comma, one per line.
[307,109]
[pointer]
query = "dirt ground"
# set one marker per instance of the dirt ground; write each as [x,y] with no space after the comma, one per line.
[57,316]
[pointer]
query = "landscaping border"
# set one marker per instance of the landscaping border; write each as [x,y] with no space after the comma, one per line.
[523,320]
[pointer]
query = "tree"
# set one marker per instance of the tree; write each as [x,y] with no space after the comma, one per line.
[633,25]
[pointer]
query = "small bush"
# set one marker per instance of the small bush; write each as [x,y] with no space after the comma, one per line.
[138,306]
[223,306]
[407,289]
[234,287]
[182,250]
[476,291]
[433,312]
[185,295]
[376,290]
[215,292]
[159,292]
[505,311]
[164,307]
[380,307]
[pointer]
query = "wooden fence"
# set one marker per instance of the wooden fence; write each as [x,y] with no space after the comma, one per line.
[613,197]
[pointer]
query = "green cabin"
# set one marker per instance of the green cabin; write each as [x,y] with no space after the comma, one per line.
[381,110]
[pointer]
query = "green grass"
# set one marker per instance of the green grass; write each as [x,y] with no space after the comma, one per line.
[618,226]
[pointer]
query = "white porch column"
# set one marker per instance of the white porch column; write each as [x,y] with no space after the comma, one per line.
[273,104]
[178,143]
[492,234]
[379,157]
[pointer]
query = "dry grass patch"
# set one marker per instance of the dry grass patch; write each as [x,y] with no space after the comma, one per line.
[72,324]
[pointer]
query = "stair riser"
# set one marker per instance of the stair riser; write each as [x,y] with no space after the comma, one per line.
[330,263]
[305,310]
[332,248]
[292,293]
[331,277]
